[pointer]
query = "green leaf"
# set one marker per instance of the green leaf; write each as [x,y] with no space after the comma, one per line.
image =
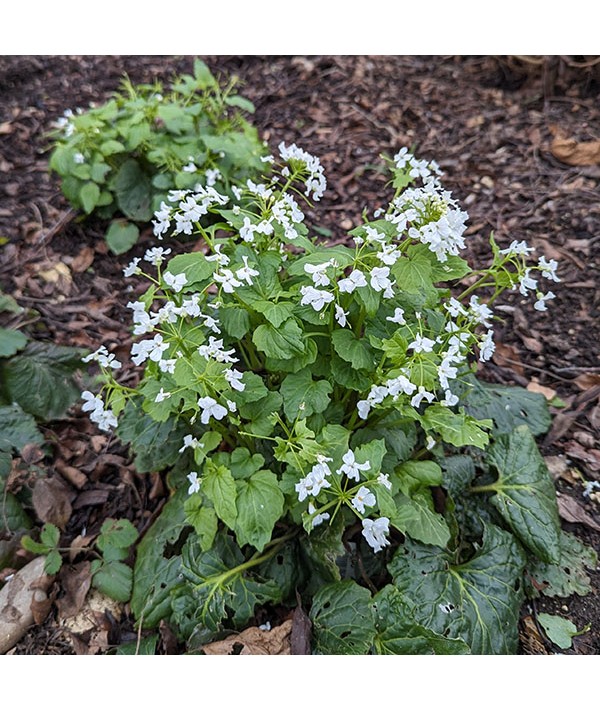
[11,341]
[342,255]
[203,518]
[89,195]
[398,633]
[414,475]
[134,191]
[121,236]
[33,546]
[524,493]
[243,464]
[352,349]
[147,645]
[50,535]
[568,576]
[117,534]
[260,505]
[40,379]
[110,147]
[507,406]
[343,620]
[114,579]
[53,563]
[413,274]
[284,342]
[12,515]
[18,428]
[417,517]
[344,374]
[240,103]
[194,265]
[476,601]
[453,268]
[456,428]
[219,486]
[275,314]
[236,322]
[8,303]
[560,631]
[157,564]
[203,76]
[299,388]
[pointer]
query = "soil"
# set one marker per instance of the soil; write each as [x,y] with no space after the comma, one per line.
[491,126]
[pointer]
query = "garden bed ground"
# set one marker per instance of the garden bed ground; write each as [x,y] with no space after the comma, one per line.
[492,131]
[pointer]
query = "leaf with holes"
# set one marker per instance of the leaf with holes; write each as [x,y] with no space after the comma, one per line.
[478,600]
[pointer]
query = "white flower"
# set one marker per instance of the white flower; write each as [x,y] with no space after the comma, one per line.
[175,281]
[480,312]
[548,269]
[364,497]
[445,372]
[317,271]
[429,442]
[384,480]
[232,406]
[340,315]
[312,484]
[246,273]
[78,158]
[167,365]
[210,408]
[190,441]
[422,344]
[190,167]
[103,358]
[540,304]
[375,532]
[132,268]
[315,297]
[363,407]
[398,317]
[220,259]
[449,399]
[421,395]
[227,280]
[487,346]
[156,255]
[234,378]
[184,224]
[92,402]
[517,248]
[162,395]
[247,230]
[352,281]
[104,419]
[400,384]
[194,483]
[379,278]
[319,518]
[527,283]
[212,175]
[454,308]
[351,468]
[402,158]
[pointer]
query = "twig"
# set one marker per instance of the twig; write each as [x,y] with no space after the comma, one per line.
[57,226]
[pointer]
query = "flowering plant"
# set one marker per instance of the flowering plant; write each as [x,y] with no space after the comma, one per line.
[319,413]
[121,157]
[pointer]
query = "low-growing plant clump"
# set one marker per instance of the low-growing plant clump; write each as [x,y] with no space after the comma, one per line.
[122,157]
[325,434]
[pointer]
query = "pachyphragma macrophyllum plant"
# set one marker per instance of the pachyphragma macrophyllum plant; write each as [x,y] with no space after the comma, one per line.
[318,409]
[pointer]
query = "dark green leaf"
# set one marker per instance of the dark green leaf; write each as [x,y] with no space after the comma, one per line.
[284,342]
[203,518]
[456,428]
[116,533]
[236,322]
[477,601]
[40,379]
[398,633]
[353,350]
[194,265]
[343,620]
[413,274]
[134,191]
[524,493]
[89,195]
[219,486]
[568,576]
[240,103]
[17,428]
[121,236]
[147,645]
[50,535]
[53,563]
[416,517]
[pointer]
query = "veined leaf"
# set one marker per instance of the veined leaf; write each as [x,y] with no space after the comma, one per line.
[219,486]
[458,429]
[284,342]
[300,388]
[11,341]
[476,601]
[353,350]
[398,633]
[417,517]
[260,505]
[524,493]
[194,265]
[343,620]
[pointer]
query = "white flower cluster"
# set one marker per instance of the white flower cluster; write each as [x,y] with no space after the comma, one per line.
[526,282]
[104,418]
[192,205]
[316,182]
[103,358]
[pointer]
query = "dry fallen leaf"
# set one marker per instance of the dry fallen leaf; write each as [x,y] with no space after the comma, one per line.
[558,466]
[75,581]
[573,512]
[254,641]
[535,387]
[571,152]
[57,272]
[585,381]
[530,638]
[301,631]
[52,502]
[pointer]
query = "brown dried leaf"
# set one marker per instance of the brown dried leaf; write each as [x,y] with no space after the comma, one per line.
[558,466]
[58,272]
[52,502]
[83,260]
[75,581]
[254,641]
[535,387]
[573,512]
[571,152]
[585,381]
[590,456]
[530,637]
[301,631]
